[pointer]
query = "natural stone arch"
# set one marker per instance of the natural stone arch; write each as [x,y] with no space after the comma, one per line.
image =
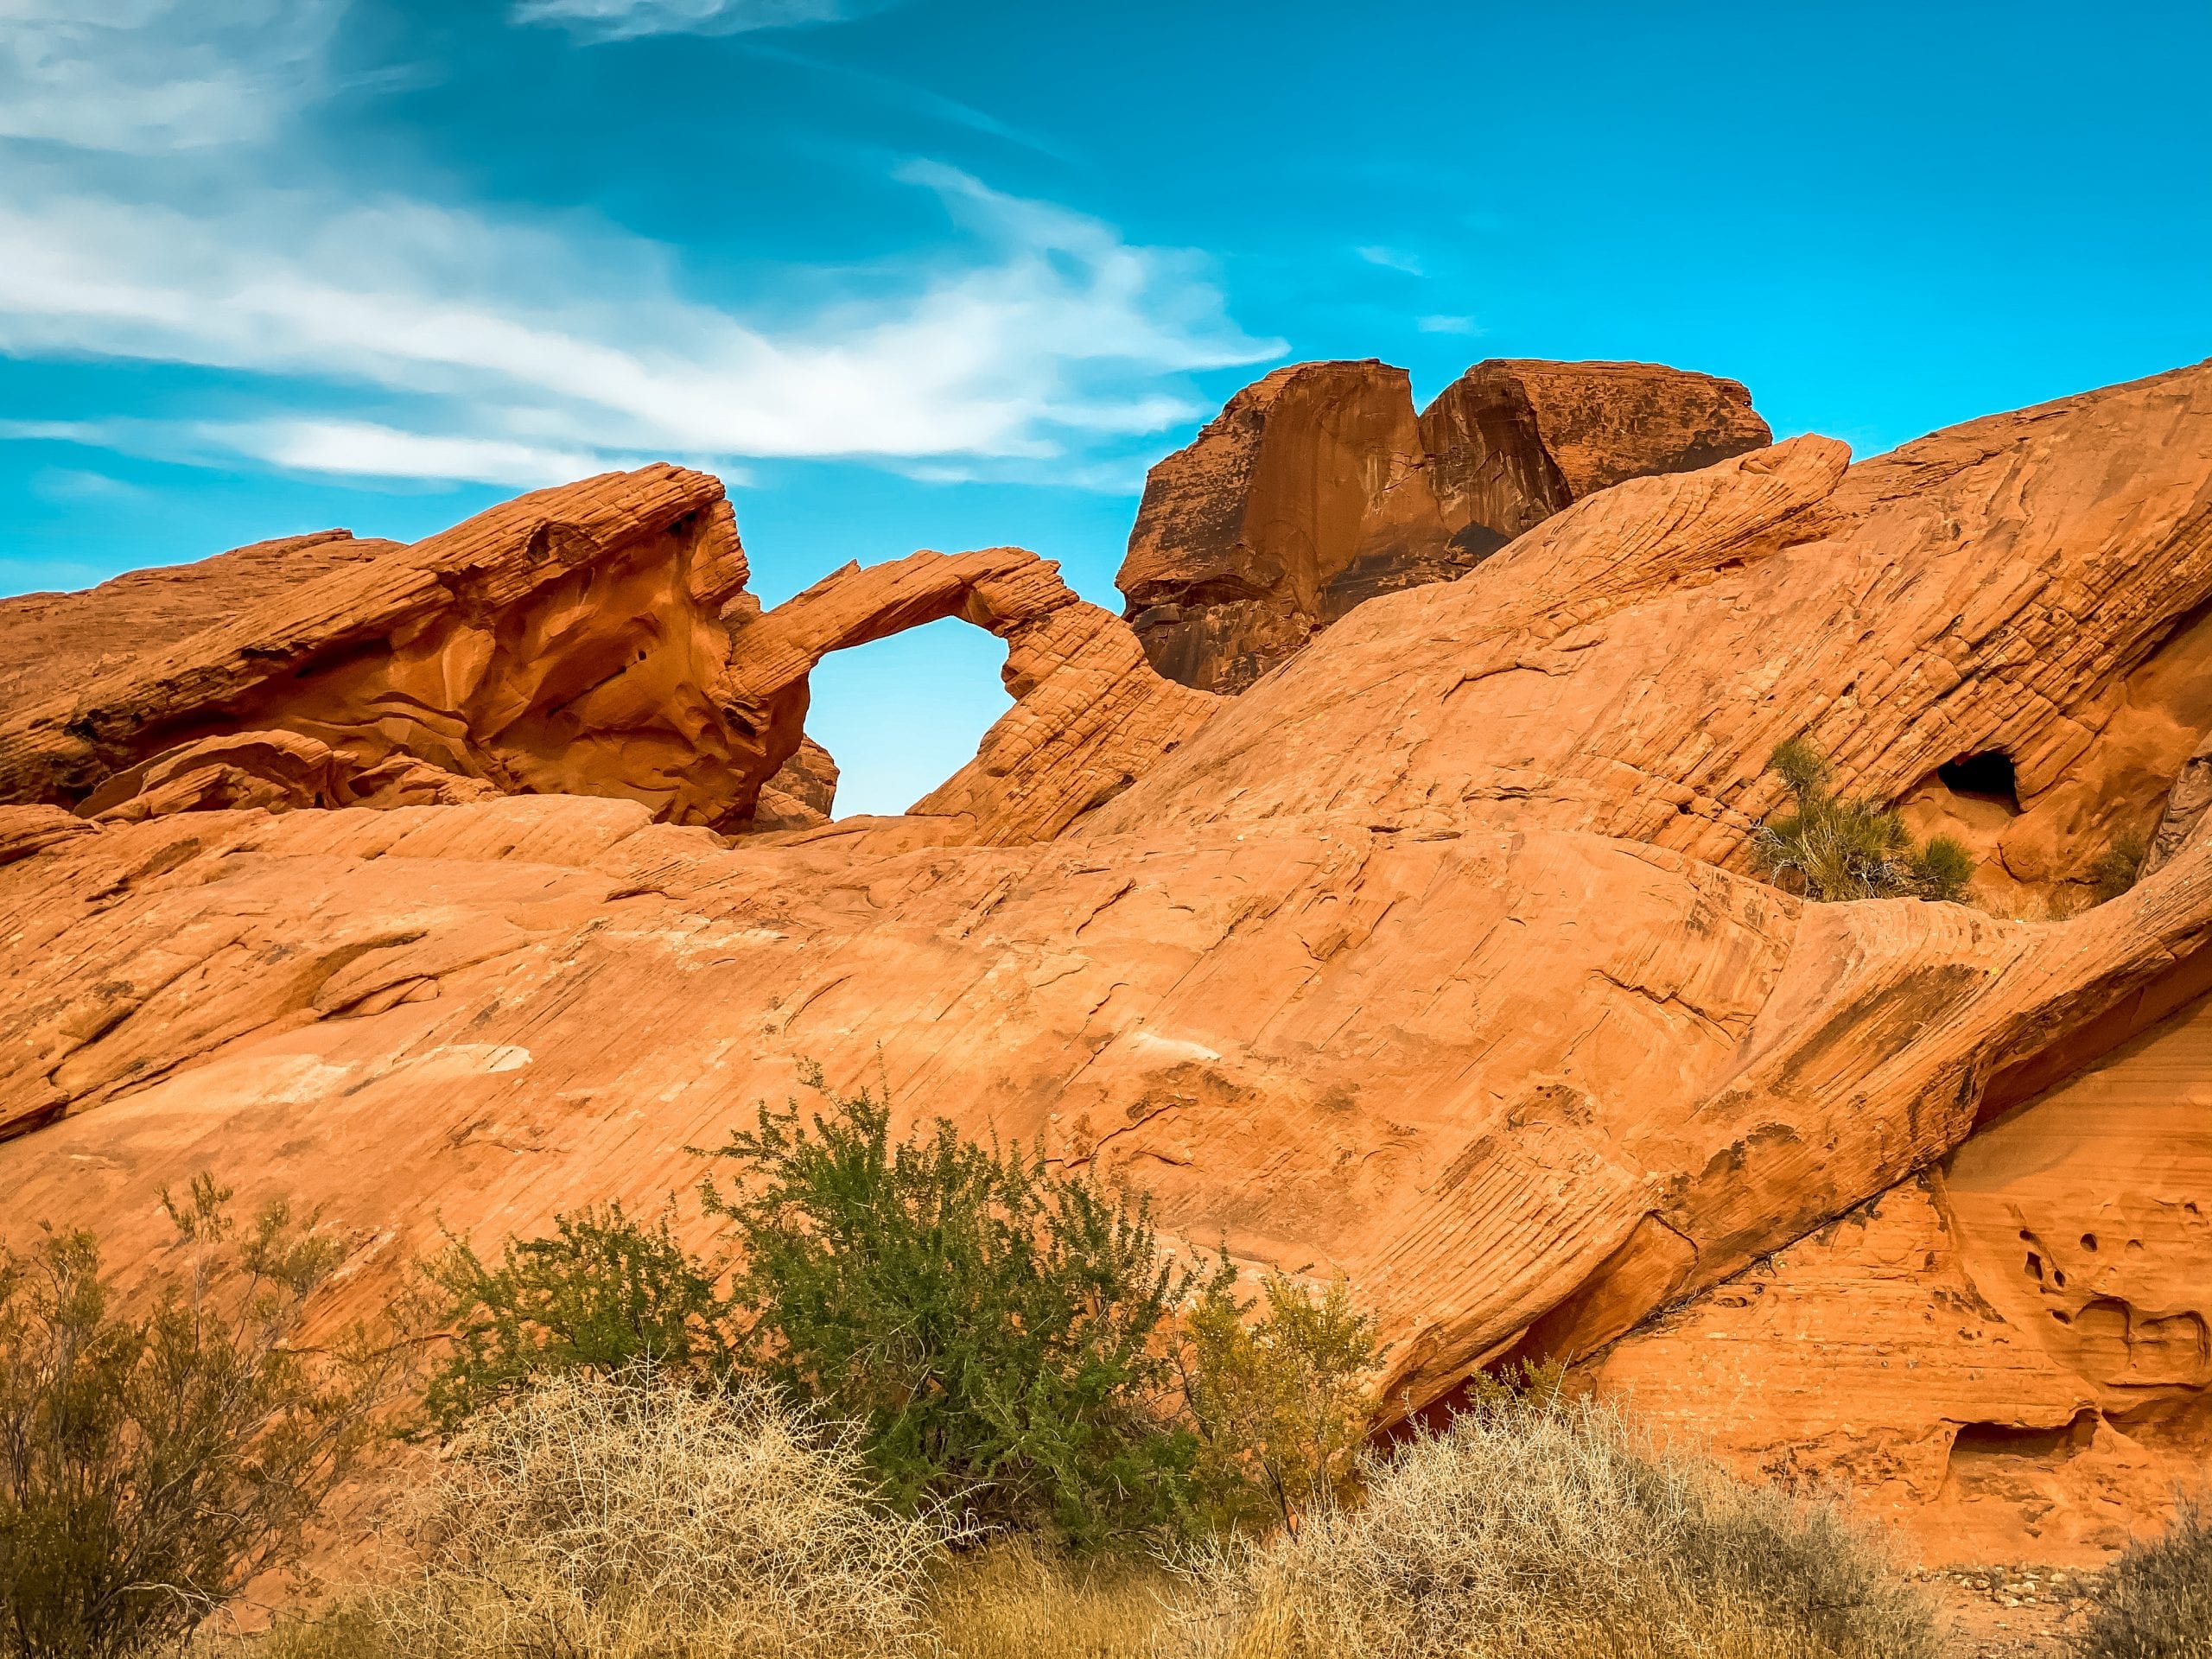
[1090,716]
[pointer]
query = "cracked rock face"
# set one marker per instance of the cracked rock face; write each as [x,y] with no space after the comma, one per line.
[1433,959]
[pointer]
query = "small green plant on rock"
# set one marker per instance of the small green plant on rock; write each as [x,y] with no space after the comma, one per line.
[2118,868]
[1834,847]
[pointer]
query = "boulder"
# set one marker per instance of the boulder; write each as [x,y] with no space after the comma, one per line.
[1318,488]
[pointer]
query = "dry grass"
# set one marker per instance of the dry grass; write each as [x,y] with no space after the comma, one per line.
[2155,1601]
[1557,1534]
[594,1523]
[1017,1601]
[637,1519]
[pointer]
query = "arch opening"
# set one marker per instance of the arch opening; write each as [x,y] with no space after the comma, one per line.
[902,713]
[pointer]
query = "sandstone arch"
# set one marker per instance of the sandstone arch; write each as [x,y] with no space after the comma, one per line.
[1090,716]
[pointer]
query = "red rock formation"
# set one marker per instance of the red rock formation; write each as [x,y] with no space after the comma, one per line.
[571,639]
[1090,714]
[802,795]
[595,640]
[48,640]
[1316,489]
[1430,960]
[1511,443]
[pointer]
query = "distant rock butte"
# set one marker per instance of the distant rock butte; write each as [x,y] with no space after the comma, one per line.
[1435,959]
[1318,488]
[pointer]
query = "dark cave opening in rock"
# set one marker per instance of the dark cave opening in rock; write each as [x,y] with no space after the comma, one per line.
[1987,776]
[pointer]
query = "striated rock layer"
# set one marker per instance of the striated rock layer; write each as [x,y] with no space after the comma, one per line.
[1316,489]
[1432,960]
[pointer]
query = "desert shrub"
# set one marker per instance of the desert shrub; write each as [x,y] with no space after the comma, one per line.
[152,1462]
[604,1293]
[2117,867]
[634,1516]
[1278,1401]
[2155,1601]
[1018,1599]
[1000,1331]
[1555,1533]
[1836,847]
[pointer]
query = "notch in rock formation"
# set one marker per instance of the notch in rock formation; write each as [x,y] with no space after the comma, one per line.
[1318,488]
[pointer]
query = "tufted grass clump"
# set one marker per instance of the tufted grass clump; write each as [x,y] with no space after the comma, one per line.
[2155,1601]
[1837,847]
[1556,1532]
[633,1516]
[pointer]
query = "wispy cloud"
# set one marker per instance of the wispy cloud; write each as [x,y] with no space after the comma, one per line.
[624,20]
[1393,259]
[392,337]
[72,484]
[512,343]
[143,77]
[1446,325]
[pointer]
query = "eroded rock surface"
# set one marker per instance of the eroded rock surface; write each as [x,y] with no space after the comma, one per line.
[1432,960]
[1318,488]
[570,640]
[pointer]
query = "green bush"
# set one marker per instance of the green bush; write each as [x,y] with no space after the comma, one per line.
[1002,1331]
[1836,847]
[1004,1334]
[1278,1402]
[153,1462]
[606,1292]
[2155,1601]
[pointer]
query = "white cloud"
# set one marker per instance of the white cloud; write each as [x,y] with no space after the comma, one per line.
[142,76]
[527,348]
[1393,259]
[388,336]
[363,448]
[1446,325]
[623,20]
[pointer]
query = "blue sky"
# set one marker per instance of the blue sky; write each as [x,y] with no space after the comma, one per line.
[949,273]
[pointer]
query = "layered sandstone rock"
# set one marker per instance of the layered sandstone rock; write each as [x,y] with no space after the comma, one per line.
[1090,714]
[52,640]
[1317,488]
[2019,597]
[571,640]
[595,640]
[1432,960]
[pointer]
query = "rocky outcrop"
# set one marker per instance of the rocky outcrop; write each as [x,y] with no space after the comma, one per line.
[803,795]
[1317,488]
[571,640]
[591,640]
[1511,443]
[1432,960]
[50,640]
[2001,625]
[1090,714]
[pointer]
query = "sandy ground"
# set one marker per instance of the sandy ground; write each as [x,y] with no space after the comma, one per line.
[2009,1612]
